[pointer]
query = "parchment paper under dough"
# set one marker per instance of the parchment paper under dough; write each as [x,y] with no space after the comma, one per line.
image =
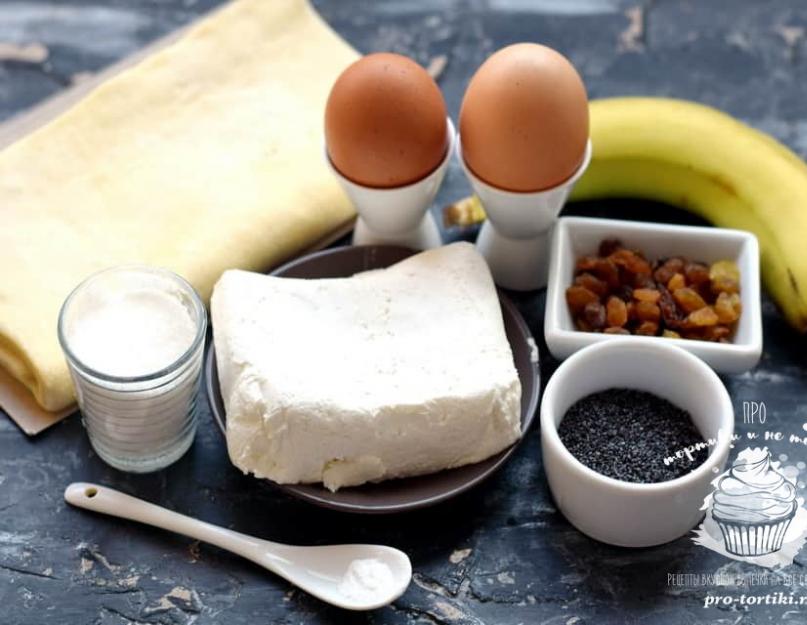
[205,156]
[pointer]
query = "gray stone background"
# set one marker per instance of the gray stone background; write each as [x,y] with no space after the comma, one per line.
[500,554]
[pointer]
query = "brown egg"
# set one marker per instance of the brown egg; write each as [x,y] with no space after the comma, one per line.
[385,122]
[524,119]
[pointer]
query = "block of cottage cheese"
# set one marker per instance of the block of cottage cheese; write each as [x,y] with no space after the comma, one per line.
[391,373]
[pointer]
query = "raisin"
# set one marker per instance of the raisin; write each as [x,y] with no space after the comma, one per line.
[725,285]
[705,291]
[688,300]
[592,283]
[668,269]
[727,307]
[585,263]
[609,246]
[647,328]
[706,316]
[737,303]
[632,262]
[647,295]
[715,333]
[669,311]
[594,315]
[621,256]
[676,263]
[724,269]
[624,292]
[578,296]
[663,274]
[606,270]
[696,273]
[616,312]
[643,281]
[725,277]
[676,282]
[640,267]
[647,311]
[617,291]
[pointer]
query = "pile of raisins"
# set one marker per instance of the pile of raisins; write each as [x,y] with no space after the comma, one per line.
[620,292]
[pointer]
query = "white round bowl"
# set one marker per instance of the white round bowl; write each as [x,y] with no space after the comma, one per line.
[624,513]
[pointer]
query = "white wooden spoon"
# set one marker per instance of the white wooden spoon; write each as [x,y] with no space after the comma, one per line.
[354,577]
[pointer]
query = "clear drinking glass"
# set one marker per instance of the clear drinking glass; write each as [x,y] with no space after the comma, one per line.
[145,422]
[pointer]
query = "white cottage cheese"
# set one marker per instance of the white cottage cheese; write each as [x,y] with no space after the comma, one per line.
[391,373]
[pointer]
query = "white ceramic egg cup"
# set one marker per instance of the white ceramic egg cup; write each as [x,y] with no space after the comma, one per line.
[399,215]
[515,237]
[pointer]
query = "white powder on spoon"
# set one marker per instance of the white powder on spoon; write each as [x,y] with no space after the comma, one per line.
[365,579]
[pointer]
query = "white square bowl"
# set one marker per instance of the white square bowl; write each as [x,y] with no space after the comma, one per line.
[577,236]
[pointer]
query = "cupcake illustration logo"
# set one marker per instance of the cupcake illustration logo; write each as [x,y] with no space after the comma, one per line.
[753,514]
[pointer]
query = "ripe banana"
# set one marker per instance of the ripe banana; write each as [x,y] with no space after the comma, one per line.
[704,161]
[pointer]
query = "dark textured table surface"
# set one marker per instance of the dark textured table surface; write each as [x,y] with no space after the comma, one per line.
[500,554]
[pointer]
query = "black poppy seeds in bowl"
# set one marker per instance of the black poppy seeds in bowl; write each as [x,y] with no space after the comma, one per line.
[627,434]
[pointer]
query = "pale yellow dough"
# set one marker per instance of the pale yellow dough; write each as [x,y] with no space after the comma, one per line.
[206,156]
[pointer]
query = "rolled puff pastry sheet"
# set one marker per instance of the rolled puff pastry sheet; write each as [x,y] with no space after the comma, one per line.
[207,155]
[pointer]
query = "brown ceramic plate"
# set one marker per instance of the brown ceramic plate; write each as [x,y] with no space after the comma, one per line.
[405,493]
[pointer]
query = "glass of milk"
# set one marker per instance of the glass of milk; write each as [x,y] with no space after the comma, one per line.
[133,339]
